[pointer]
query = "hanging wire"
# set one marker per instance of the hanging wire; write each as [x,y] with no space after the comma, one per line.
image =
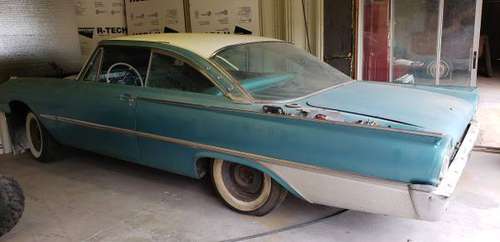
[307,27]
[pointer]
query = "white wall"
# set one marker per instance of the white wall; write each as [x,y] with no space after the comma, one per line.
[38,38]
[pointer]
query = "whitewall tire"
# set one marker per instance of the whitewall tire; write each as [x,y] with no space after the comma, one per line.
[34,135]
[245,189]
[40,143]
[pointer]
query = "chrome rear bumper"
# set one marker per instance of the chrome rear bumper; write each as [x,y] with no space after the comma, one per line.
[430,202]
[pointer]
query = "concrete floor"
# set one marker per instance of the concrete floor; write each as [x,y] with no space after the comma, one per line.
[93,198]
[489,110]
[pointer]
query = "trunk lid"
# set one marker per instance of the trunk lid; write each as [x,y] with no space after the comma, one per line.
[424,109]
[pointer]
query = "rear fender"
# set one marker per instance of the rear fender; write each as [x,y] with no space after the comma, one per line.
[250,163]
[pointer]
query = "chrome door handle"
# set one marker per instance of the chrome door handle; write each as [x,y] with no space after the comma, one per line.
[127,98]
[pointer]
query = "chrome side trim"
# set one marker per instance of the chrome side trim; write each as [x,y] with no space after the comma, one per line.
[185,104]
[343,189]
[263,160]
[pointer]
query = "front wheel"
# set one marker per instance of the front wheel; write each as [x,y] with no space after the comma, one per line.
[245,189]
[40,143]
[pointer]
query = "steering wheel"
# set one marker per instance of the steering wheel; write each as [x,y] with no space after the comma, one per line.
[130,68]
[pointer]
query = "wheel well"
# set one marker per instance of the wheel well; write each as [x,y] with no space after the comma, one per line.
[17,116]
[19,109]
[203,166]
[16,121]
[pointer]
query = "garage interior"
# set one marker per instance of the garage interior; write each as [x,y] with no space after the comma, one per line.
[88,197]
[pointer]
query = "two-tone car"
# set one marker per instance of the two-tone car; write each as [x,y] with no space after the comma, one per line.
[260,116]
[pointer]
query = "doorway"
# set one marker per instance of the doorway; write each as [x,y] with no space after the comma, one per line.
[427,42]
[490,39]
[338,39]
[489,75]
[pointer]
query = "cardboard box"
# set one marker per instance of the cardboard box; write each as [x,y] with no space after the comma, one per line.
[99,20]
[221,16]
[155,16]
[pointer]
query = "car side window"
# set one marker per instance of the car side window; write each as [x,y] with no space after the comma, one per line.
[124,65]
[93,67]
[168,72]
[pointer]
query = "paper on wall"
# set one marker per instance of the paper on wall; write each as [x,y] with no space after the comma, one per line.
[155,16]
[99,20]
[220,16]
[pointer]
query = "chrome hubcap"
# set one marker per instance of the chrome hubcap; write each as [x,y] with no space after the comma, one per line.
[243,182]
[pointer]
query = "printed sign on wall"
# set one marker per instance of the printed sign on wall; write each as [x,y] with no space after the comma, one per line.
[155,16]
[99,20]
[221,16]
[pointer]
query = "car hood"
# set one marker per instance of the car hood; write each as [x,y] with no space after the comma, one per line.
[424,110]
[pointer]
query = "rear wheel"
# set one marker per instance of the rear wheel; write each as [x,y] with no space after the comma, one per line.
[11,204]
[245,189]
[40,143]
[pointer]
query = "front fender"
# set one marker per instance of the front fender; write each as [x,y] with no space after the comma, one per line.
[250,163]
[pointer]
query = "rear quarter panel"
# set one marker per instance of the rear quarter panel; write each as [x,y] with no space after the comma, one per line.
[398,156]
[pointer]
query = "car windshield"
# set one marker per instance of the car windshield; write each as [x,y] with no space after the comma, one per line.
[277,70]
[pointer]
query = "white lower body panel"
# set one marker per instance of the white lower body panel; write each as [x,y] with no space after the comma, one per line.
[344,190]
[349,191]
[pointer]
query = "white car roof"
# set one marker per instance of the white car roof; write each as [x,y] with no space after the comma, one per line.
[204,45]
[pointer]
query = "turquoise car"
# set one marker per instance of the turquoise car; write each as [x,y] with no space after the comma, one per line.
[260,117]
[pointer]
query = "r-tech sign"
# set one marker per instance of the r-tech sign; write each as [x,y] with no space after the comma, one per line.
[111,30]
[102,31]
[99,20]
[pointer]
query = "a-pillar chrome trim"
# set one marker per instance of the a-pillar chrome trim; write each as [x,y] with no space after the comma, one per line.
[199,106]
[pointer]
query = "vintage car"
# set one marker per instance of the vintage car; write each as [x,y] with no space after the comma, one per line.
[259,116]
[11,204]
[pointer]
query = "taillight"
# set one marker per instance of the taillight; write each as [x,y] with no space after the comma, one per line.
[321,117]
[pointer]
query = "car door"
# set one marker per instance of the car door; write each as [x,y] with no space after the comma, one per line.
[171,107]
[101,114]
